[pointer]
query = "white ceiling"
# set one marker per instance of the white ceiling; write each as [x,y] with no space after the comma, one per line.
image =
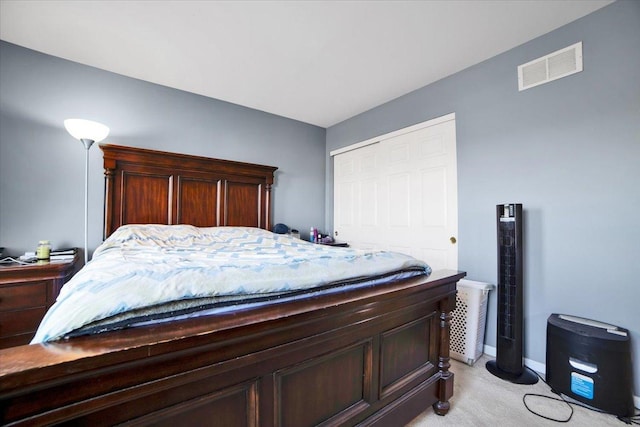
[319,62]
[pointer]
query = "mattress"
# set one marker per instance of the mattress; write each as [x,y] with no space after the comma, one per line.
[159,273]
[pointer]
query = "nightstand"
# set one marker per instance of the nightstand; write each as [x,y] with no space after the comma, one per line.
[26,292]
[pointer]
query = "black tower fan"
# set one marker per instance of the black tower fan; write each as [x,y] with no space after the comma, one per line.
[509,359]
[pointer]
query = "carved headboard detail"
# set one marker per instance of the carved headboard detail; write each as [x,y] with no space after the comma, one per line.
[155,187]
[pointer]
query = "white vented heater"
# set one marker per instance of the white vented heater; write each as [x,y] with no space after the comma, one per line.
[556,65]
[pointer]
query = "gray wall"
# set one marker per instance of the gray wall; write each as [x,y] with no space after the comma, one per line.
[569,151]
[42,166]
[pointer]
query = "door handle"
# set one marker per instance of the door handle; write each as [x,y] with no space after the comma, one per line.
[452,240]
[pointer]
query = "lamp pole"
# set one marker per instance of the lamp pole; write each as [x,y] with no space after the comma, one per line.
[87,145]
[87,132]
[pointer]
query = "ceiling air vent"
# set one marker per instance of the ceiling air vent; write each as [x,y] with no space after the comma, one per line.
[560,63]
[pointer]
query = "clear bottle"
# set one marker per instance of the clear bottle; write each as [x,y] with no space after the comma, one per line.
[43,250]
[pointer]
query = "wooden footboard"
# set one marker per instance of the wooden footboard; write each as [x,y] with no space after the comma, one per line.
[372,356]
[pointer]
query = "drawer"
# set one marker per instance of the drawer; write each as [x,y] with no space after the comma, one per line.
[32,294]
[20,321]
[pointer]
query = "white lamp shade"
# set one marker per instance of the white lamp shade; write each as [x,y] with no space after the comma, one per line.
[86,129]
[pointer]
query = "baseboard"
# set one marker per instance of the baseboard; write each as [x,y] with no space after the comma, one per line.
[541,368]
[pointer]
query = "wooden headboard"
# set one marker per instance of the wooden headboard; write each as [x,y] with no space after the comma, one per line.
[154,187]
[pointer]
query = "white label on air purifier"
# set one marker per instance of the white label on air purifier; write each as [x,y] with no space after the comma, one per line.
[582,385]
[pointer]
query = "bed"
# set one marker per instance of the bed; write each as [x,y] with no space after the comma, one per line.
[345,355]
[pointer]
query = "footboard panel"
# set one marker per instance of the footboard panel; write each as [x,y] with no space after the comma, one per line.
[373,357]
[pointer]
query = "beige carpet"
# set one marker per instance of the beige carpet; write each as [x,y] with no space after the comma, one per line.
[481,399]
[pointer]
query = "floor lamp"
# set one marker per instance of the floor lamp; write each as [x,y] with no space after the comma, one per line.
[87,132]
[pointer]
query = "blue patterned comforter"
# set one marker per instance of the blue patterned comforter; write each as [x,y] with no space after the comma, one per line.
[142,267]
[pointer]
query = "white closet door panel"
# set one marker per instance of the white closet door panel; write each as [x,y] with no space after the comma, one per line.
[405,195]
[346,197]
[369,204]
[432,146]
[434,204]
[356,196]
[399,196]
[436,258]
[369,163]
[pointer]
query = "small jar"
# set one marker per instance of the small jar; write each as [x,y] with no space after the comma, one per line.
[43,250]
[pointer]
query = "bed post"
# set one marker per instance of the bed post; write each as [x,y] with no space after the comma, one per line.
[267,213]
[109,167]
[445,386]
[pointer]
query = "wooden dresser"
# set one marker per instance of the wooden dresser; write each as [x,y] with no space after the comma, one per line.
[26,292]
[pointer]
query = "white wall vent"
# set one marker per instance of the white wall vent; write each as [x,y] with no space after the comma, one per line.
[558,64]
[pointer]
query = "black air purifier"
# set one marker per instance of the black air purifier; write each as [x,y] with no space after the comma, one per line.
[590,361]
[509,343]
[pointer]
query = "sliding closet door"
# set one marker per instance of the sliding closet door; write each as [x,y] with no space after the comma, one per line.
[401,194]
[357,197]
